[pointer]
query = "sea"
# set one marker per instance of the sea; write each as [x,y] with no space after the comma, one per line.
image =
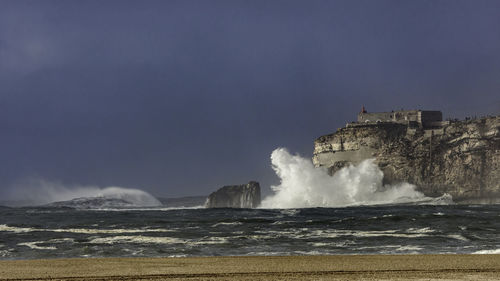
[62,232]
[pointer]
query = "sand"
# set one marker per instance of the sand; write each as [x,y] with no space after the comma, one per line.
[357,267]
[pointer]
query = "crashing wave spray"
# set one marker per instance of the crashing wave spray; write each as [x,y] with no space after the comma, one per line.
[303,185]
[41,192]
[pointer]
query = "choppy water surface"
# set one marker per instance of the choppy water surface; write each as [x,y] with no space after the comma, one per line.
[27,233]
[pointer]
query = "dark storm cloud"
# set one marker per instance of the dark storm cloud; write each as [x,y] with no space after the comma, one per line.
[180,97]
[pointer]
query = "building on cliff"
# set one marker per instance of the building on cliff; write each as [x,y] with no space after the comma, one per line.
[412,118]
[460,158]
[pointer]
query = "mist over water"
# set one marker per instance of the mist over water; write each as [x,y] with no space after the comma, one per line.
[40,192]
[303,185]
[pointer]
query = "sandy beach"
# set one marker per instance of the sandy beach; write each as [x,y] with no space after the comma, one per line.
[356,267]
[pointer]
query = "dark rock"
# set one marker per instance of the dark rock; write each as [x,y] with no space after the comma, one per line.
[235,196]
[91,203]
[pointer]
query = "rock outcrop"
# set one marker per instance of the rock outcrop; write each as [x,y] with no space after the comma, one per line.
[460,158]
[235,196]
[92,203]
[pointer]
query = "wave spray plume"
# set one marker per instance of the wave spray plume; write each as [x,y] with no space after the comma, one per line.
[43,192]
[303,185]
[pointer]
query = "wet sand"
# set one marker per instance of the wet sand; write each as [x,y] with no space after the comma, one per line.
[362,267]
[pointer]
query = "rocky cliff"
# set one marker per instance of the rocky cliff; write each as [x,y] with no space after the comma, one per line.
[459,158]
[235,196]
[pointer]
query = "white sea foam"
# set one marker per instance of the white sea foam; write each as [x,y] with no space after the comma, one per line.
[320,244]
[7,228]
[267,253]
[309,253]
[208,241]
[488,252]
[305,233]
[457,237]
[226,224]
[420,230]
[62,240]
[290,212]
[34,245]
[303,185]
[409,248]
[136,239]
[338,244]
[253,237]
[43,192]
[386,233]
[282,222]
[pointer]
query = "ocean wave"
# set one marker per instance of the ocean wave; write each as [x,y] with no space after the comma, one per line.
[391,249]
[457,237]
[443,200]
[147,209]
[282,222]
[61,240]
[140,239]
[267,253]
[226,224]
[381,217]
[331,244]
[487,252]
[290,212]
[208,241]
[310,253]
[305,233]
[364,230]
[253,237]
[366,234]
[409,248]
[14,229]
[136,239]
[320,244]
[420,230]
[178,256]
[34,245]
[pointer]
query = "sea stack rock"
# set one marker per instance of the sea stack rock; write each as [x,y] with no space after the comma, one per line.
[235,196]
[461,158]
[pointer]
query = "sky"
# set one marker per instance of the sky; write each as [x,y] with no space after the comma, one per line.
[179,98]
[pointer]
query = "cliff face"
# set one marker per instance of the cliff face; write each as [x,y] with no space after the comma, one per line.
[460,158]
[235,196]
